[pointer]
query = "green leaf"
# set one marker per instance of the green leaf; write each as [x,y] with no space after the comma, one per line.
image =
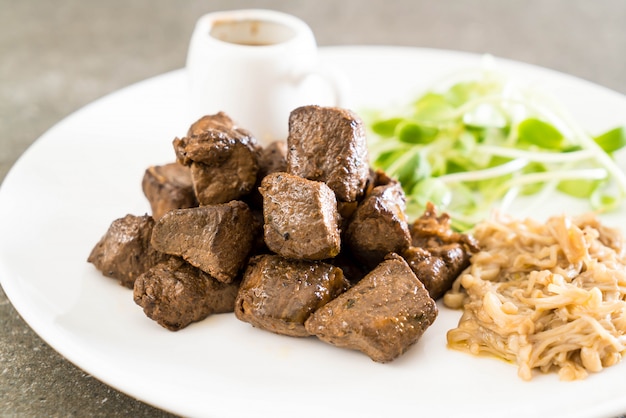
[413,170]
[612,140]
[462,92]
[414,133]
[429,99]
[578,188]
[386,127]
[431,138]
[385,159]
[433,108]
[457,166]
[542,134]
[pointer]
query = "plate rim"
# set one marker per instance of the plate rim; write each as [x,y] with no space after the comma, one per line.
[76,355]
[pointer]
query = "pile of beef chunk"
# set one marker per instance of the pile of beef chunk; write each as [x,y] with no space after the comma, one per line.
[299,238]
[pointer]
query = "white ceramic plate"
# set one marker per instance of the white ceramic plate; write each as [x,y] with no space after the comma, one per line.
[61,196]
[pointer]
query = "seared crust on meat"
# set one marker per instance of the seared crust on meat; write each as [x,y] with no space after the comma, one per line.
[217,238]
[223,159]
[259,231]
[124,251]
[379,225]
[382,315]
[438,254]
[301,218]
[168,187]
[278,294]
[175,294]
[328,144]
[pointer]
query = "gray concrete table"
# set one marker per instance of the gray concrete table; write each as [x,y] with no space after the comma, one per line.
[56,56]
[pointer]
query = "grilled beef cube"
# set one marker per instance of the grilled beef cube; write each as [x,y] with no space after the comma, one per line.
[438,254]
[219,121]
[124,251]
[382,315]
[328,144]
[223,159]
[347,209]
[278,294]
[379,178]
[379,225]
[301,219]
[175,294]
[217,238]
[168,187]
[437,267]
[273,158]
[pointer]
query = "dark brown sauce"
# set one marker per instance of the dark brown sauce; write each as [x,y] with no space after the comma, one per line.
[250,32]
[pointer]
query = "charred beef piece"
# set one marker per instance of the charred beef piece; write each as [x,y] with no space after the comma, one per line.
[223,159]
[278,294]
[347,209]
[125,252]
[219,121]
[437,267]
[301,219]
[382,315]
[438,254]
[379,225]
[175,294]
[168,187]
[379,178]
[217,238]
[328,144]
[273,158]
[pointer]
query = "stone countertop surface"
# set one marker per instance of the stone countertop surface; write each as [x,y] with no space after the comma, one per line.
[57,56]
